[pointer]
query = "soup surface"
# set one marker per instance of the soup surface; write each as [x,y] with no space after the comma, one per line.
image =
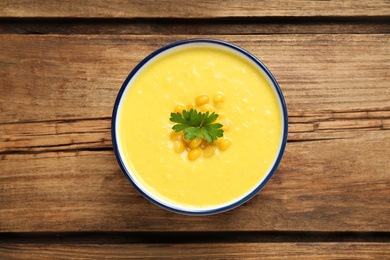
[177,77]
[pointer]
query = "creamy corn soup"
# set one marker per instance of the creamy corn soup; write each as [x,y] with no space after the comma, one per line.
[205,77]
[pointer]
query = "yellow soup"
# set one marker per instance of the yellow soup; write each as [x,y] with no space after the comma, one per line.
[237,90]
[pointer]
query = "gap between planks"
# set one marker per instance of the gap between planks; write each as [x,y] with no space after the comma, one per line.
[219,26]
[191,237]
[193,8]
[291,251]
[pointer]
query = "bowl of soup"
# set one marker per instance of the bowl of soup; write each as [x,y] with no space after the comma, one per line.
[231,152]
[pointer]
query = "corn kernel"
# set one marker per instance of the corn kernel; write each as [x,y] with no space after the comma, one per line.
[179,146]
[191,106]
[209,151]
[176,136]
[216,142]
[186,141]
[206,108]
[179,108]
[219,106]
[194,154]
[219,98]
[221,115]
[224,144]
[201,100]
[195,143]
[204,144]
[226,124]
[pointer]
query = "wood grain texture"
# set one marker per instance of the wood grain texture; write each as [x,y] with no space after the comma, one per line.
[56,136]
[192,8]
[324,185]
[78,77]
[198,251]
[63,196]
[58,173]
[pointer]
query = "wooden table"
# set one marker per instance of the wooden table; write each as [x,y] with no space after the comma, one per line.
[62,194]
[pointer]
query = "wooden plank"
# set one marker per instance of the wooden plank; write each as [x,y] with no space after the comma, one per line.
[339,184]
[71,77]
[56,135]
[193,8]
[198,251]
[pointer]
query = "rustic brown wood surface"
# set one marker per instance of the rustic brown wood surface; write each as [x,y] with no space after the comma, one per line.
[63,87]
[78,77]
[193,8]
[61,67]
[197,251]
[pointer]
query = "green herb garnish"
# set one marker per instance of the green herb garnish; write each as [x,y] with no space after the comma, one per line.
[197,124]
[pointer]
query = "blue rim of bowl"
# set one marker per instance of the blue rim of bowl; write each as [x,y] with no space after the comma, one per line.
[270,173]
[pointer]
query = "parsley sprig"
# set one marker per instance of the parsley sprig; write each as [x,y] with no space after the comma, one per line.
[197,124]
